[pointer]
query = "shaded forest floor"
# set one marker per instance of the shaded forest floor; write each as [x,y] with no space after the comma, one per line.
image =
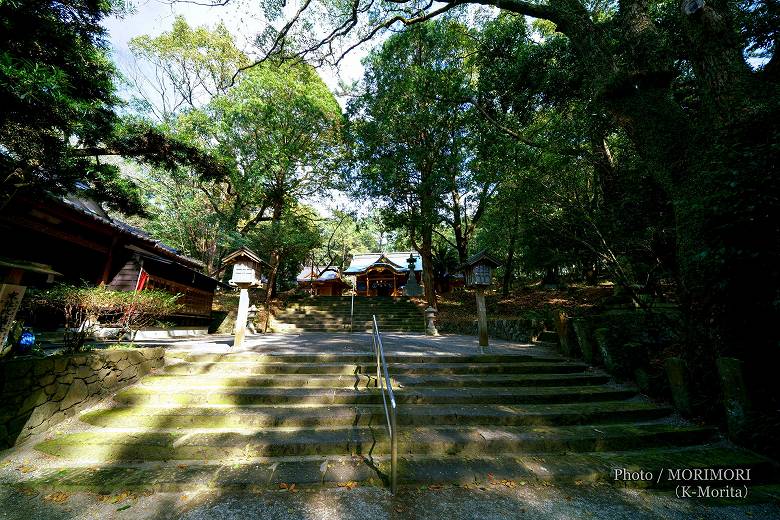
[527,302]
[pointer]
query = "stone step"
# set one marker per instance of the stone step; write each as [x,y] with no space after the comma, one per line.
[290,328]
[281,326]
[306,472]
[172,382]
[396,369]
[380,313]
[154,445]
[358,358]
[503,380]
[261,416]
[340,321]
[277,395]
[499,471]
[584,468]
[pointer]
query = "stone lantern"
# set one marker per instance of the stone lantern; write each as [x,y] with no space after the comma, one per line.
[478,271]
[247,268]
[412,288]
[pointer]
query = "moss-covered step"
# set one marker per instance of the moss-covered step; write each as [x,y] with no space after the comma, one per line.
[233,476]
[249,367]
[504,380]
[261,416]
[413,470]
[404,396]
[358,358]
[467,441]
[181,382]
[189,382]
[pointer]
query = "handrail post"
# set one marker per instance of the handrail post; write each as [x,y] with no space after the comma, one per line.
[351,311]
[393,450]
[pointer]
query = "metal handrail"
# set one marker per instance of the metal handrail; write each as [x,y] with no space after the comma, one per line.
[386,387]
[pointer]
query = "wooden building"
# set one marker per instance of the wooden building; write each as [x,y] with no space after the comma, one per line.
[322,281]
[78,239]
[383,274]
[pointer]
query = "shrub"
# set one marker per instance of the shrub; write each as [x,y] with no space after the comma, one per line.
[85,308]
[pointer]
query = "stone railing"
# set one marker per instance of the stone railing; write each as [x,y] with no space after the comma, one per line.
[37,393]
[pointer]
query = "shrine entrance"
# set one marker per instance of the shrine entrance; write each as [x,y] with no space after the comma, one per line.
[382,287]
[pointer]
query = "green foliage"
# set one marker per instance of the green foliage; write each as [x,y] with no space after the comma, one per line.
[278,130]
[192,64]
[58,97]
[51,92]
[85,308]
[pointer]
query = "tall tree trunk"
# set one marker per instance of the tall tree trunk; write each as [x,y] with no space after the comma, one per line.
[428,276]
[510,257]
[275,255]
[461,243]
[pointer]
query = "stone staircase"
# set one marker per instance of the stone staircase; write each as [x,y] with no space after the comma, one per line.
[332,314]
[253,421]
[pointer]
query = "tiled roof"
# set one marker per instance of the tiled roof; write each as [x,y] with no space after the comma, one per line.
[93,210]
[320,274]
[397,259]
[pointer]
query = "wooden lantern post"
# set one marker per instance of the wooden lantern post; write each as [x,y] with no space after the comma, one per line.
[246,274]
[478,270]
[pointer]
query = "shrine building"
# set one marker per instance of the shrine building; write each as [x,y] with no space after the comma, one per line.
[383,274]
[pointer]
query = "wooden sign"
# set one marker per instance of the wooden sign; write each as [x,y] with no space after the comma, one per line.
[243,273]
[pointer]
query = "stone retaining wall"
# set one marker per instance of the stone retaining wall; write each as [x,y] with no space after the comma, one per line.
[37,393]
[521,330]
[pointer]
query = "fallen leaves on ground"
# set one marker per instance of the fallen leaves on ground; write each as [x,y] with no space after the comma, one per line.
[24,468]
[28,491]
[349,485]
[58,497]
[116,499]
[435,487]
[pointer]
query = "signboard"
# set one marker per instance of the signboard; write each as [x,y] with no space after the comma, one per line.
[10,299]
[243,273]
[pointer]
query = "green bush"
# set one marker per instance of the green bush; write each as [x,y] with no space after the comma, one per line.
[86,308]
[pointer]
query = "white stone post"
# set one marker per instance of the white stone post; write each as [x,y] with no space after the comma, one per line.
[241,317]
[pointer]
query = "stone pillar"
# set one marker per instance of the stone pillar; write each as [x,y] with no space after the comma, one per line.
[677,372]
[482,317]
[602,341]
[581,331]
[241,317]
[735,395]
[566,337]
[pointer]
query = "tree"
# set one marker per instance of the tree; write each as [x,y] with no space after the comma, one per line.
[572,180]
[58,98]
[51,93]
[412,141]
[279,127]
[182,69]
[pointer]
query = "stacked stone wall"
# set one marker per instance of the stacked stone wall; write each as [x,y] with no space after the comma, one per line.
[38,393]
